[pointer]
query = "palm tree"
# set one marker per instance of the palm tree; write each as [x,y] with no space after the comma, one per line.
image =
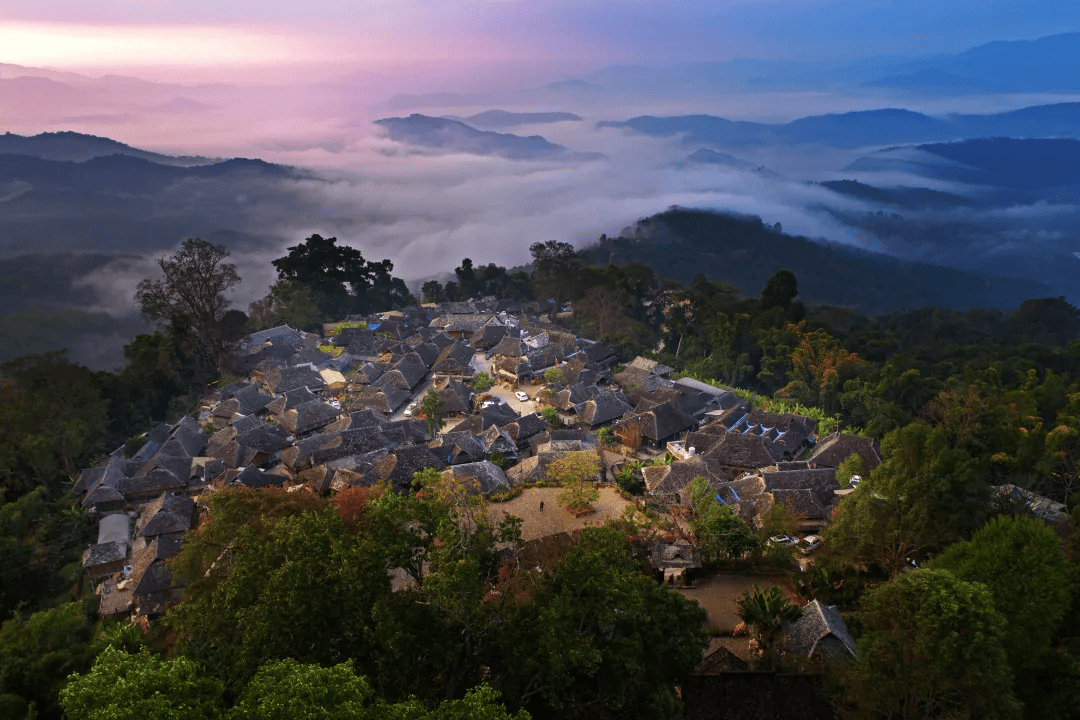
[765,612]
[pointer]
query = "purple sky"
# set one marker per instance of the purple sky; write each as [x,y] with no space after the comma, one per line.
[113,35]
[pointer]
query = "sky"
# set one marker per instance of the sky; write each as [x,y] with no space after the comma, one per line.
[114,35]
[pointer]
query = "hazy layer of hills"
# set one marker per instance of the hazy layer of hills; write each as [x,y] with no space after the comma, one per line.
[445,134]
[743,251]
[505,119]
[78,147]
[866,128]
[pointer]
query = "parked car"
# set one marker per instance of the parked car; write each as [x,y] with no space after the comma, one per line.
[783,540]
[855,480]
[809,544]
[489,403]
[522,396]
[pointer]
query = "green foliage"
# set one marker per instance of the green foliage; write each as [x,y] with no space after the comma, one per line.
[924,495]
[433,292]
[765,612]
[849,467]
[303,589]
[606,436]
[41,542]
[190,296]
[54,416]
[482,382]
[551,417]
[720,533]
[1019,559]
[341,280]
[629,481]
[600,639]
[38,652]
[287,303]
[576,471]
[288,689]
[122,686]
[554,375]
[432,407]
[497,458]
[930,647]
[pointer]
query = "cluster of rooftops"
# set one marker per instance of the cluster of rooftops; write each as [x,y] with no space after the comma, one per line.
[322,413]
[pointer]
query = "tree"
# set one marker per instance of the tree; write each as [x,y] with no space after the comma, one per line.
[780,290]
[720,533]
[432,407]
[482,382]
[1019,559]
[924,495]
[765,612]
[848,468]
[598,638]
[819,368]
[288,303]
[303,588]
[553,376]
[551,416]
[433,292]
[554,270]
[931,647]
[38,652]
[342,280]
[191,293]
[576,472]
[122,686]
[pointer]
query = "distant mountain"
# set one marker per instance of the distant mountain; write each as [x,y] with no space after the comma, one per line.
[1047,64]
[504,119]
[440,133]
[705,156]
[908,198]
[1020,164]
[121,174]
[743,251]
[77,147]
[866,128]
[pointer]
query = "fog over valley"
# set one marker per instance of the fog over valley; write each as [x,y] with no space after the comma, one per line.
[428,168]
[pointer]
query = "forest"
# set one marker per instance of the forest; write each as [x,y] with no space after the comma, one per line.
[303,620]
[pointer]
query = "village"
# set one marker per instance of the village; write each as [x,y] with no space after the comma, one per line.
[322,414]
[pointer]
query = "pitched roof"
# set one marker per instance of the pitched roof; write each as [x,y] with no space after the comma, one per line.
[604,407]
[741,451]
[834,449]
[309,416]
[485,476]
[817,624]
[283,379]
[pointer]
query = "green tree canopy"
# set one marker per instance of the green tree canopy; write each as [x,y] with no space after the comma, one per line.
[930,648]
[123,686]
[1019,559]
[925,494]
[719,532]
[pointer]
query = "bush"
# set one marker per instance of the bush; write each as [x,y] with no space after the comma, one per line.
[482,382]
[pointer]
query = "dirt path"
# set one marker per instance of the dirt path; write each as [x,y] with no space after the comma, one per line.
[554,518]
[718,597]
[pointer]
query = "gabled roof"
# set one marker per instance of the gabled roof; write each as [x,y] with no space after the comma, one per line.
[482,477]
[283,379]
[312,355]
[406,375]
[604,407]
[741,451]
[350,442]
[308,417]
[499,414]
[573,395]
[817,624]
[264,437]
[281,333]
[149,573]
[456,398]
[834,449]
[458,447]
[454,360]
[526,427]
[408,460]
[664,421]
[801,502]
[510,347]
[167,514]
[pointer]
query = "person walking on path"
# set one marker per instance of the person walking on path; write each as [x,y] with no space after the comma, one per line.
[541,506]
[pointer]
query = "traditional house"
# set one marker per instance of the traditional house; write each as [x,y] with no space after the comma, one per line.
[820,634]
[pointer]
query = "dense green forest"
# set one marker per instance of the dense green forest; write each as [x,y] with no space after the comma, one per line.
[306,624]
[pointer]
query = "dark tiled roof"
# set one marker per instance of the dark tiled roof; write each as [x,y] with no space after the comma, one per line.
[741,451]
[480,477]
[309,416]
[810,635]
[605,407]
[283,379]
[834,449]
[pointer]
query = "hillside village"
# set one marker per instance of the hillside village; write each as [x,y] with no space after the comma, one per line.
[320,414]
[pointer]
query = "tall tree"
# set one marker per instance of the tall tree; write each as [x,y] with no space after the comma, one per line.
[930,648]
[191,293]
[924,495]
[554,270]
[719,532]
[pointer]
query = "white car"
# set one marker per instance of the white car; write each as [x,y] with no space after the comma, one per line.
[489,403]
[809,544]
[408,412]
[783,540]
[522,396]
